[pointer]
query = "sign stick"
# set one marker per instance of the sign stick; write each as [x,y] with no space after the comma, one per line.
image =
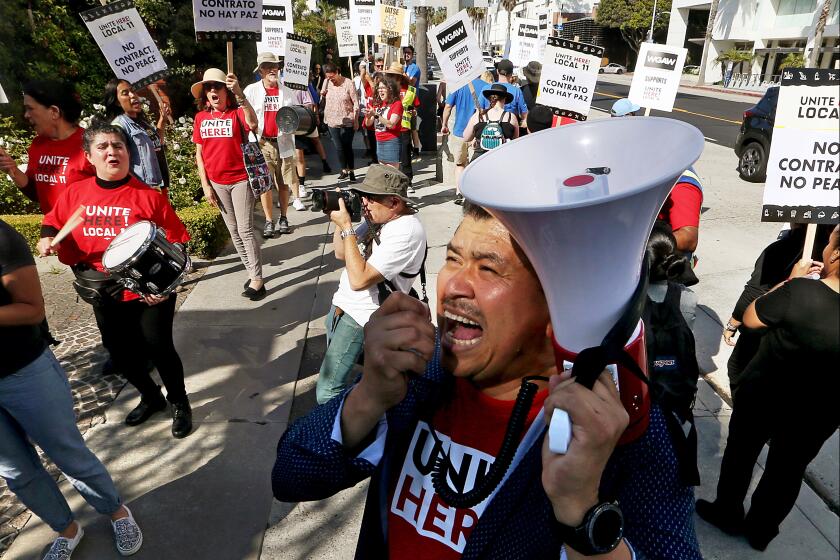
[475,100]
[350,65]
[366,48]
[810,236]
[230,57]
[647,111]
[156,93]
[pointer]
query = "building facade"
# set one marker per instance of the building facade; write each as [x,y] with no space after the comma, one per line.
[770,29]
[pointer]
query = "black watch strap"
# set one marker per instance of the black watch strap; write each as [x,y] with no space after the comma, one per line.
[600,531]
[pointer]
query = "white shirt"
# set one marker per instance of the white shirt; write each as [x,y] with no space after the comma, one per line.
[255,93]
[401,248]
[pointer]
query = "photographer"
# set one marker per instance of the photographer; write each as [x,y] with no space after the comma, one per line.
[394,250]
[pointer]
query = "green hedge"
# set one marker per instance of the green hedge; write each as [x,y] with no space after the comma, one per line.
[207,229]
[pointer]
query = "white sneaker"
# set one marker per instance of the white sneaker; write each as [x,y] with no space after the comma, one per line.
[62,547]
[297,204]
[303,192]
[127,534]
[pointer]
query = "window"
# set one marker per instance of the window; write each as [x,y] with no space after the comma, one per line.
[793,7]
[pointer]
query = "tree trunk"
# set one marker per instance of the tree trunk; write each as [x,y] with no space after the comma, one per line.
[701,74]
[814,56]
[421,45]
[507,32]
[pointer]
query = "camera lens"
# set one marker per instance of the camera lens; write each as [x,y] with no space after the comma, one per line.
[318,200]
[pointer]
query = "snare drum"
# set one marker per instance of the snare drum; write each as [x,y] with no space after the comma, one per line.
[144,261]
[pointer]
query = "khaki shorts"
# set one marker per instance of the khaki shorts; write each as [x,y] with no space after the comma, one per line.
[460,150]
[282,169]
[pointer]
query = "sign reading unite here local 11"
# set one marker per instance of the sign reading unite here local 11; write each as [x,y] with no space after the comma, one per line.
[124,40]
[455,46]
[227,19]
[569,74]
[803,169]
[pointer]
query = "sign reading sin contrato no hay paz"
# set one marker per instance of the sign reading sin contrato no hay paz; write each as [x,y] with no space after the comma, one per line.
[227,19]
[277,20]
[296,68]
[803,170]
[569,73]
[124,40]
[456,50]
[657,76]
[365,17]
[348,42]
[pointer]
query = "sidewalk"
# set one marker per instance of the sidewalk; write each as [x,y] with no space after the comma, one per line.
[251,368]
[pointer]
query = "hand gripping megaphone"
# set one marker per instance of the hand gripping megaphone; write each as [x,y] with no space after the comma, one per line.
[581,201]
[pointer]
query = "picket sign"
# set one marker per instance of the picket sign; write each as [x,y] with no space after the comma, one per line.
[656,77]
[456,48]
[526,42]
[569,74]
[3,98]
[277,20]
[122,37]
[348,42]
[215,21]
[802,184]
[298,57]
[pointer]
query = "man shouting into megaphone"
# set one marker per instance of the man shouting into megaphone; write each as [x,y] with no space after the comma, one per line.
[450,423]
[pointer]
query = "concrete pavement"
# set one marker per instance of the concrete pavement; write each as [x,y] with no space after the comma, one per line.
[251,369]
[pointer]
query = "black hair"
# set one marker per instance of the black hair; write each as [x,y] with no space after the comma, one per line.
[476,212]
[100,126]
[540,118]
[60,93]
[665,263]
[329,68]
[111,102]
[408,48]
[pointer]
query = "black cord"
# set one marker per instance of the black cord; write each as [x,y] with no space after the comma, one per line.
[497,471]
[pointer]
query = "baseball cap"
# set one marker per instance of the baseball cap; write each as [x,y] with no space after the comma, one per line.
[623,107]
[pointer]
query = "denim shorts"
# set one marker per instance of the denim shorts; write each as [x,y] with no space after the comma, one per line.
[388,151]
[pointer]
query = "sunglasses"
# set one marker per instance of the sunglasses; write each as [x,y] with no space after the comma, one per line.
[208,86]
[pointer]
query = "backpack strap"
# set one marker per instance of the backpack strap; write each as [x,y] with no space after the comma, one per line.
[673,295]
[386,287]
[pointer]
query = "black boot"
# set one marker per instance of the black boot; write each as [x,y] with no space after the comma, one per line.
[730,522]
[147,407]
[181,419]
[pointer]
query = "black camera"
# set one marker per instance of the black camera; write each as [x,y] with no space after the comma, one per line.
[326,200]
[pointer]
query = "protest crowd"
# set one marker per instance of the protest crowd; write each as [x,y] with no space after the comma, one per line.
[449,406]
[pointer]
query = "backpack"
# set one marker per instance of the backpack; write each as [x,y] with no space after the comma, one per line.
[673,370]
[492,135]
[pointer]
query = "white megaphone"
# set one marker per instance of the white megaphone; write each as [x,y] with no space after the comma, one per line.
[581,201]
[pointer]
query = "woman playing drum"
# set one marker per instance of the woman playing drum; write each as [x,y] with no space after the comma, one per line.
[135,329]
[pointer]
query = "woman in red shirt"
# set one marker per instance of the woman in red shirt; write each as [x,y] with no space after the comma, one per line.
[385,114]
[225,116]
[55,156]
[134,329]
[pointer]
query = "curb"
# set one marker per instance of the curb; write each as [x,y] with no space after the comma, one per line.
[725,90]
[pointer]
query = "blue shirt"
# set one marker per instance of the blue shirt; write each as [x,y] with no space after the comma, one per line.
[517,106]
[464,105]
[413,72]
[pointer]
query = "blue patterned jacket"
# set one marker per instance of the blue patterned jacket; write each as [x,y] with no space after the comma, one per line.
[518,522]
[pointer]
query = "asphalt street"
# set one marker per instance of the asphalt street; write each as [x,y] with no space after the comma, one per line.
[718,119]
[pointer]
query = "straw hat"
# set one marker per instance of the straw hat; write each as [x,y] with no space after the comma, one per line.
[396,69]
[264,57]
[210,75]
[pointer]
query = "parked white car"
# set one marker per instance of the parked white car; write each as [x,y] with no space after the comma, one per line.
[612,68]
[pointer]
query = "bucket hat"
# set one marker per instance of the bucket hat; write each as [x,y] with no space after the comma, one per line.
[533,71]
[385,180]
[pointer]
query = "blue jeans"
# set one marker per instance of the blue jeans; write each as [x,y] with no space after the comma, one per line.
[36,403]
[345,338]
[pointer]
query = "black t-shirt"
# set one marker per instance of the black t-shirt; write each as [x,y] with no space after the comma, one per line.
[19,346]
[799,353]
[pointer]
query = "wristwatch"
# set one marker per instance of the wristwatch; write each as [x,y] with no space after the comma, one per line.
[600,531]
[345,233]
[730,327]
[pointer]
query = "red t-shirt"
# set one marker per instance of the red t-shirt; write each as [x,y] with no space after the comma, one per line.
[54,164]
[384,134]
[416,103]
[420,525]
[221,144]
[682,208]
[270,107]
[107,213]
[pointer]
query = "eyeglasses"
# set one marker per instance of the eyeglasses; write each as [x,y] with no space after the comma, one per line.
[269,66]
[380,65]
[213,85]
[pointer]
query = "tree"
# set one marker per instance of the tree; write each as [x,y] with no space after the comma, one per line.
[793,60]
[710,26]
[814,57]
[734,56]
[477,16]
[632,18]
[421,41]
[508,6]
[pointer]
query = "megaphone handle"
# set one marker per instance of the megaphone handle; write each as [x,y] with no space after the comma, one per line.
[559,432]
